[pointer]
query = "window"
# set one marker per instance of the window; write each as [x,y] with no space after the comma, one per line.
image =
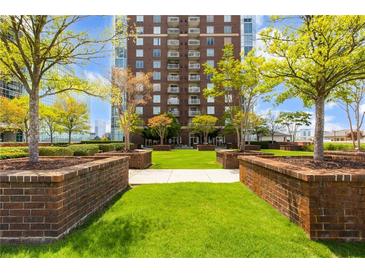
[139,42]
[156,110]
[139,110]
[139,53]
[210,110]
[228,98]
[139,18]
[247,27]
[210,29]
[209,77]
[156,64]
[139,64]
[139,73]
[156,53]
[157,98]
[227,40]
[156,75]
[156,30]
[227,29]
[210,18]
[210,99]
[156,87]
[210,63]
[210,52]
[210,85]
[139,30]
[157,41]
[227,18]
[246,50]
[156,19]
[210,41]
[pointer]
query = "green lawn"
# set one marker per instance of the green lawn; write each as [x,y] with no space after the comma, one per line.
[184,159]
[188,220]
[278,152]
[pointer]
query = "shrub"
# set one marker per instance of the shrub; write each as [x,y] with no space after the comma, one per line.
[107,147]
[263,144]
[12,152]
[99,142]
[84,149]
[55,151]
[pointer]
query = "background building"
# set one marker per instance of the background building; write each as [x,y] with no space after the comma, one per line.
[174,48]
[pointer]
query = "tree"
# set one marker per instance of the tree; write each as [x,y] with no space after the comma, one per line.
[74,116]
[242,83]
[204,124]
[128,92]
[10,115]
[258,125]
[40,52]
[175,127]
[50,120]
[351,97]
[293,120]
[273,124]
[322,53]
[160,124]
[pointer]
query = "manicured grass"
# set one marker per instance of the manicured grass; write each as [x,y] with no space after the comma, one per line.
[278,152]
[188,220]
[184,159]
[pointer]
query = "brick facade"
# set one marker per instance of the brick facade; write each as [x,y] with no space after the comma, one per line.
[138,159]
[328,206]
[205,147]
[229,158]
[42,206]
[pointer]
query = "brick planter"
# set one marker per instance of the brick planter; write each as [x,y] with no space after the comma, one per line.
[161,147]
[43,206]
[205,147]
[229,158]
[328,206]
[273,146]
[138,159]
[346,155]
[291,147]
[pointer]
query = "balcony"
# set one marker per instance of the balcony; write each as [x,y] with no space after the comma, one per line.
[173,66]
[173,21]
[193,21]
[193,43]
[194,101]
[172,89]
[194,89]
[173,32]
[194,66]
[174,112]
[173,43]
[193,32]
[193,54]
[193,113]
[173,77]
[173,101]
[194,77]
[173,54]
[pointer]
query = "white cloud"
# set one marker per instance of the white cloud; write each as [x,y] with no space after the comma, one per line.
[95,77]
[331,105]
[259,21]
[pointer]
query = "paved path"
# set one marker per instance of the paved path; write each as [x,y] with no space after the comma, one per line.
[151,176]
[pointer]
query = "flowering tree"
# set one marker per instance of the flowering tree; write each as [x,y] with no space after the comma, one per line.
[204,124]
[128,92]
[160,124]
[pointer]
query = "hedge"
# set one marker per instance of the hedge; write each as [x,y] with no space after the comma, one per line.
[263,144]
[107,147]
[55,151]
[99,142]
[332,146]
[84,149]
[12,152]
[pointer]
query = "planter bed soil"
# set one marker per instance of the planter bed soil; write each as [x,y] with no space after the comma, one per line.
[326,199]
[138,159]
[43,164]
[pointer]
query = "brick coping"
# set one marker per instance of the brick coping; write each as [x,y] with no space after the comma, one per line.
[304,174]
[59,175]
[118,152]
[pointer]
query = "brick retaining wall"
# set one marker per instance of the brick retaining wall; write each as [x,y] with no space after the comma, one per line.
[138,159]
[327,206]
[42,206]
[229,158]
[205,147]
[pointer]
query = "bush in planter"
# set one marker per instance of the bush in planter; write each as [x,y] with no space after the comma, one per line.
[12,152]
[107,147]
[55,151]
[84,149]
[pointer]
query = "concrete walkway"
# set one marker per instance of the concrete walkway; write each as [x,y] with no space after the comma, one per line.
[151,176]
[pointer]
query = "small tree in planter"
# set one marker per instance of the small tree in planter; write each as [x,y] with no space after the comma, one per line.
[128,92]
[204,124]
[293,120]
[160,124]
[258,126]
[273,124]
[51,117]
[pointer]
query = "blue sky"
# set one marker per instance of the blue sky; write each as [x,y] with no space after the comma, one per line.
[97,25]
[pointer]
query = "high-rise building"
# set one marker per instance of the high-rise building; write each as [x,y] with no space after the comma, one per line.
[100,128]
[174,48]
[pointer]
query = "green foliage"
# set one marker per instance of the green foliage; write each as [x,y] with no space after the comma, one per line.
[335,146]
[293,120]
[55,151]
[175,127]
[84,150]
[263,144]
[107,147]
[12,152]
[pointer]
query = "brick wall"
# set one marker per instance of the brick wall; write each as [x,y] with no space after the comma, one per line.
[42,206]
[138,159]
[326,206]
[229,158]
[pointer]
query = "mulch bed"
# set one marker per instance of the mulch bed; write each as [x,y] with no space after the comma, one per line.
[338,164]
[43,164]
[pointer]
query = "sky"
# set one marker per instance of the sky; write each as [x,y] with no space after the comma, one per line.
[96,26]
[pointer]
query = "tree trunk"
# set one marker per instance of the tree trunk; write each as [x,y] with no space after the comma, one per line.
[33,127]
[351,127]
[358,133]
[161,138]
[238,137]
[51,136]
[127,144]
[272,138]
[318,131]
[69,136]
[205,138]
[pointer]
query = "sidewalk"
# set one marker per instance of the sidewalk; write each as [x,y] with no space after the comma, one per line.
[151,176]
